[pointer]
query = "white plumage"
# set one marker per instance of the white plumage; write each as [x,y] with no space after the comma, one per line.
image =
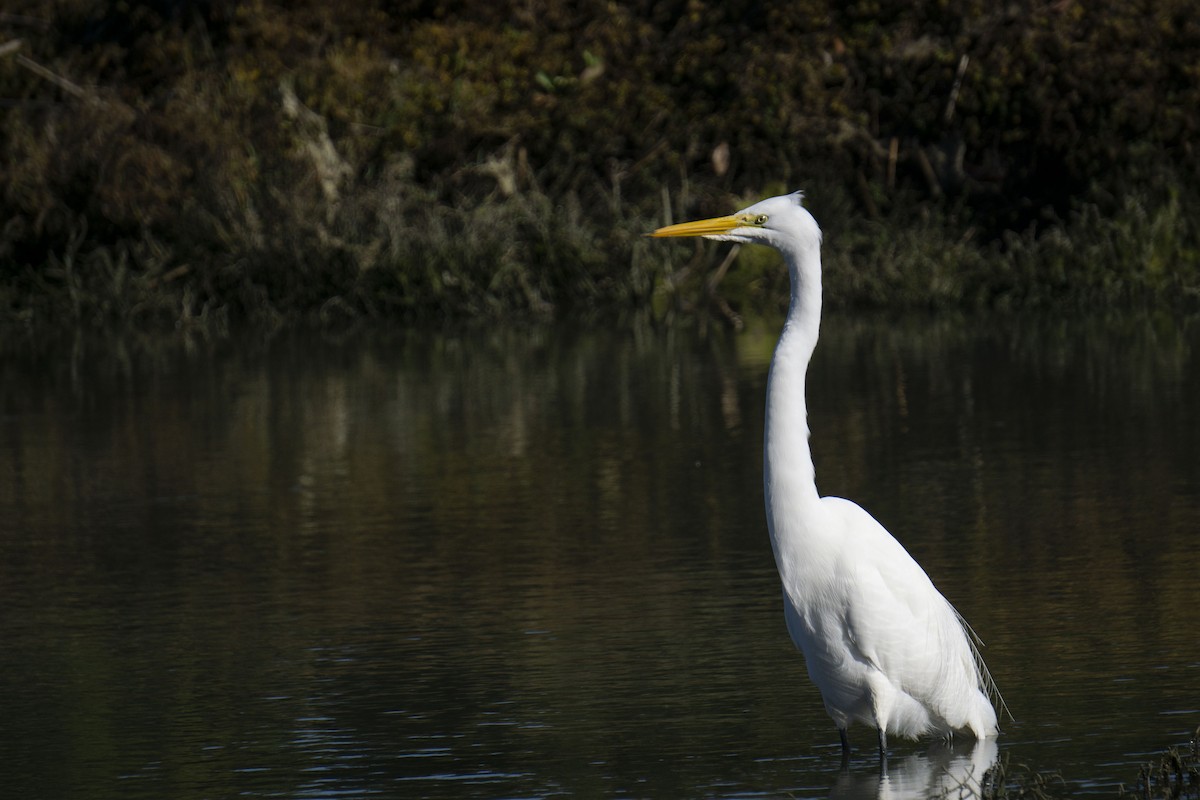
[884,647]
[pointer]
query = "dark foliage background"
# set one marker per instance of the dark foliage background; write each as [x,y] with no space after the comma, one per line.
[199,162]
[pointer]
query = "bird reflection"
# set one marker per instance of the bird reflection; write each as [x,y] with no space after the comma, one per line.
[945,771]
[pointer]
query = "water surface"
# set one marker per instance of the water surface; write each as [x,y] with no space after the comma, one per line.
[534,564]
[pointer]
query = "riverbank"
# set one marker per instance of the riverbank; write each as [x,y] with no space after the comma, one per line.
[201,164]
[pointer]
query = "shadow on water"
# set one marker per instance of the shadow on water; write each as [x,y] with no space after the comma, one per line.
[534,563]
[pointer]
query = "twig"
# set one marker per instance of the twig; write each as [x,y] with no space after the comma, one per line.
[935,186]
[10,47]
[721,270]
[53,77]
[734,318]
[893,155]
[958,78]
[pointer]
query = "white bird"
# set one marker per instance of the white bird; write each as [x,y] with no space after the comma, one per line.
[884,647]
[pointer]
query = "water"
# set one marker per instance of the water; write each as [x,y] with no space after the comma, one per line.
[535,564]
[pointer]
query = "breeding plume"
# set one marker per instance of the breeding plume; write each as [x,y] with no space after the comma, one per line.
[884,647]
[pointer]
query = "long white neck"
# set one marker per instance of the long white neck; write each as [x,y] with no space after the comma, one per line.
[788,473]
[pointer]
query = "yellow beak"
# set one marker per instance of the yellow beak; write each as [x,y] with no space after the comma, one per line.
[701,227]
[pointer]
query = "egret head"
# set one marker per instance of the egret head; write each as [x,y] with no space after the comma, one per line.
[781,222]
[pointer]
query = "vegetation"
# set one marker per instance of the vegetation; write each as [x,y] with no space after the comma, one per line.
[181,162]
[1175,775]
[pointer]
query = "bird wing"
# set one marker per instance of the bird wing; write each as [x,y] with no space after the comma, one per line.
[895,617]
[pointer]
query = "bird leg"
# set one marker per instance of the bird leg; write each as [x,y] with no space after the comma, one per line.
[845,741]
[882,744]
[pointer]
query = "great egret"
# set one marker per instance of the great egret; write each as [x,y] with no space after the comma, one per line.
[884,647]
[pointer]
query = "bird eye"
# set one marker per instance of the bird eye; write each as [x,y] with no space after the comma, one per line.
[761,219]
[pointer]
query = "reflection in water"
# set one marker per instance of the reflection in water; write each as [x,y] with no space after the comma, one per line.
[946,771]
[535,564]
